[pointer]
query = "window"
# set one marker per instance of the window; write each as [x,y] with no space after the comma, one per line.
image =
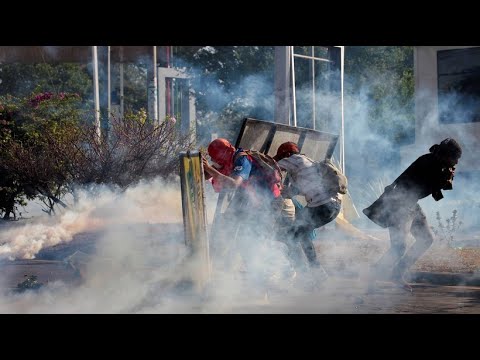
[316,87]
[459,85]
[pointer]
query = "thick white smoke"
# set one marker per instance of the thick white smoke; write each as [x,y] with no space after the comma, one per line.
[103,208]
[141,263]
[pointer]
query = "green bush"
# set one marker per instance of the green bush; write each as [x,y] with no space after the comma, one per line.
[49,146]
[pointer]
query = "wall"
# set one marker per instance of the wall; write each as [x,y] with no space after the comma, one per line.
[428,130]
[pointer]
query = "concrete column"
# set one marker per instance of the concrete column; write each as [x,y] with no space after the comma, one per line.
[96,91]
[282,85]
[152,92]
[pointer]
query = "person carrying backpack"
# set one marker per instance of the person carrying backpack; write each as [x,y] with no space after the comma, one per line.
[324,201]
[241,169]
[250,214]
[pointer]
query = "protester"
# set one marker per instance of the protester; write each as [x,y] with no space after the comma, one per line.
[235,169]
[249,219]
[323,204]
[397,209]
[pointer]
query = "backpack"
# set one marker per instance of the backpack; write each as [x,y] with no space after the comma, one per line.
[333,177]
[268,166]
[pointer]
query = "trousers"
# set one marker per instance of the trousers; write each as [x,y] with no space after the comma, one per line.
[397,259]
[307,220]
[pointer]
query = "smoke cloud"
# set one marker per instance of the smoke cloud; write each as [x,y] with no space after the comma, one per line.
[141,264]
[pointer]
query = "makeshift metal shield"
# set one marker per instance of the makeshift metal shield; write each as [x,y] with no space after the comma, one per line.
[194,215]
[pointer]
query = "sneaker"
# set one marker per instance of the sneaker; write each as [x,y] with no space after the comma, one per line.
[399,281]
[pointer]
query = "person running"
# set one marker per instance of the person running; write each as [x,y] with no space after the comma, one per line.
[398,210]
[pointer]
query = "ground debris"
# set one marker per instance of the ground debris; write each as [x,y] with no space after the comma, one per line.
[30,283]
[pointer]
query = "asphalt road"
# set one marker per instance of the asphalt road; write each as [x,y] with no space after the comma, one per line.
[346,296]
[339,295]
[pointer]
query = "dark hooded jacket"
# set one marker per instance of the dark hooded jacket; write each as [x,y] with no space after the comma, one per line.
[425,176]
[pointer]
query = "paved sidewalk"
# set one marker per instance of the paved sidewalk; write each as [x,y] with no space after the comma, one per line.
[444,281]
[347,296]
[445,278]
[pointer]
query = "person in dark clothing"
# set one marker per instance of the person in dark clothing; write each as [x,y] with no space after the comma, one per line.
[397,209]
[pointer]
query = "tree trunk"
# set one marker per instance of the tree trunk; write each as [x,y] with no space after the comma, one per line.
[8,210]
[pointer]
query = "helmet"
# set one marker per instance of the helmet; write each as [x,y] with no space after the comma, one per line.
[221,151]
[285,149]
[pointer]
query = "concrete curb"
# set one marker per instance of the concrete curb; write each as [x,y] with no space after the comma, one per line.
[445,278]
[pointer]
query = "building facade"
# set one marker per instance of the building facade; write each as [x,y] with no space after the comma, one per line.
[447,104]
[447,101]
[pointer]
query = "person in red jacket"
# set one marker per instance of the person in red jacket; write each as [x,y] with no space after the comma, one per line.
[249,219]
[235,169]
[397,209]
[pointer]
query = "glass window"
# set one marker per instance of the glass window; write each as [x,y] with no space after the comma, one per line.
[459,85]
[316,87]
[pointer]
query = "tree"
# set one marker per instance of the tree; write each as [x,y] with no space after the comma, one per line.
[230,83]
[136,148]
[379,110]
[49,147]
[22,80]
[386,74]
[32,129]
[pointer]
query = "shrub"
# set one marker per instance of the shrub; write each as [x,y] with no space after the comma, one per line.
[446,232]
